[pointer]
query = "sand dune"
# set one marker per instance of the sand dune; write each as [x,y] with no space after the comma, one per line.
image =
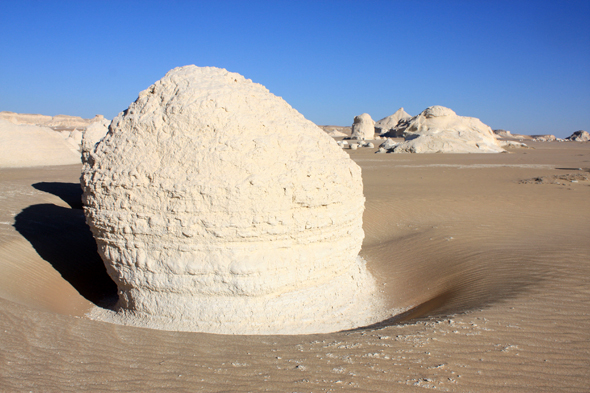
[496,271]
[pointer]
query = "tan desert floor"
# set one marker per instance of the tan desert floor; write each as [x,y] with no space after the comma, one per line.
[498,272]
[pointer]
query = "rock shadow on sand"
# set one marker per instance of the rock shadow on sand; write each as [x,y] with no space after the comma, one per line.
[70,193]
[61,237]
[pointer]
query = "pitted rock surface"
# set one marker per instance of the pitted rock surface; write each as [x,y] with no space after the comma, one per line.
[218,207]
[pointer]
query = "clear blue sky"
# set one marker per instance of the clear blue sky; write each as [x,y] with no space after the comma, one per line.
[519,65]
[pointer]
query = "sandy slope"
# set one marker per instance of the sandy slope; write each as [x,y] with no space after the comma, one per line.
[450,234]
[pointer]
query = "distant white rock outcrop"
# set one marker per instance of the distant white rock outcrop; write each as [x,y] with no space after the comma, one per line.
[336,134]
[23,145]
[502,133]
[363,127]
[544,138]
[56,122]
[579,136]
[440,130]
[386,126]
[69,128]
[513,144]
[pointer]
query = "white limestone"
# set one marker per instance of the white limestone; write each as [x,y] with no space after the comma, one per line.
[440,130]
[502,134]
[579,136]
[389,144]
[544,138]
[363,127]
[93,134]
[389,123]
[58,121]
[217,207]
[29,146]
[336,134]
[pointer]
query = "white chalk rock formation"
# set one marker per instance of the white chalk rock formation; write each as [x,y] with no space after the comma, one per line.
[29,146]
[75,138]
[515,144]
[544,138]
[440,130]
[363,127]
[389,123]
[219,208]
[502,133]
[579,136]
[59,121]
[389,144]
[335,133]
[93,134]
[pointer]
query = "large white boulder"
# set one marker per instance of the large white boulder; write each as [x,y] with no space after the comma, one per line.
[363,127]
[217,207]
[440,130]
[29,146]
[389,123]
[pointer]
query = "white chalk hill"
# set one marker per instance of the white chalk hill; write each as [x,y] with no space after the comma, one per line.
[29,146]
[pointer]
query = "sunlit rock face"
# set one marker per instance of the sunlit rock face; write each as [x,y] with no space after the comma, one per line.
[387,125]
[217,207]
[94,133]
[23,145]
[363,127]
[440,130]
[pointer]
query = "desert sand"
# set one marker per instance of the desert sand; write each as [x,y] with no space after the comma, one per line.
[491,250]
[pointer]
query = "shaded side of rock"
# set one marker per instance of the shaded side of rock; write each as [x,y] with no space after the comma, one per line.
[544,138]
[217,207]
[388,124]
[579,136]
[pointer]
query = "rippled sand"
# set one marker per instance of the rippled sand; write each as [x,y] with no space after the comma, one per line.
[497,272]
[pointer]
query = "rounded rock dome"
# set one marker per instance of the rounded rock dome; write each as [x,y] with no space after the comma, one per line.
[217,207]
[437,111]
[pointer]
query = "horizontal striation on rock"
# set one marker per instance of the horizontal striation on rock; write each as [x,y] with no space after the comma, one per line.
[214,200]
